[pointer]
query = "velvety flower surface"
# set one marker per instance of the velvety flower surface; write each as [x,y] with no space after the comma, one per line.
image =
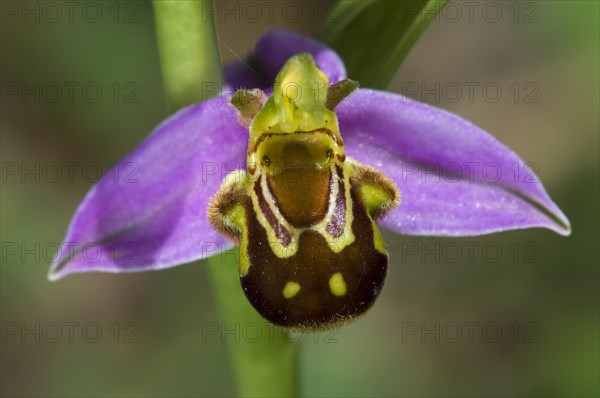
[455,179]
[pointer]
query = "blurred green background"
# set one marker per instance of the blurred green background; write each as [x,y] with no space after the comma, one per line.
[160,334]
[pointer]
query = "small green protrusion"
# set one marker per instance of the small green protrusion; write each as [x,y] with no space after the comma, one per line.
[248,103]
[338,91]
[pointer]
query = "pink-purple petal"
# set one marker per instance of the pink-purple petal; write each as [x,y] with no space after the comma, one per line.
[243,74]
[149,211]
[455,179]
[272,51]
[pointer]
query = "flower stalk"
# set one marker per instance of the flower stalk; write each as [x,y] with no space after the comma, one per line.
[189,55]
[264,359]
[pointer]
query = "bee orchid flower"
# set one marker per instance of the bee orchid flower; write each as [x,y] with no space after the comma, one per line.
[298,167]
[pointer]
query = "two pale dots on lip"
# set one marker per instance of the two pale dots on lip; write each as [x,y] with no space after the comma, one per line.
[337,286]
[332,248]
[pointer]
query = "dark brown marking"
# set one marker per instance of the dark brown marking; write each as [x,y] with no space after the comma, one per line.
[314,307]
[336,225]
[301,194]
[282,233]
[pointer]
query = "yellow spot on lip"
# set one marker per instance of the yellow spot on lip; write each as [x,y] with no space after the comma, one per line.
[291,289]
[337,284]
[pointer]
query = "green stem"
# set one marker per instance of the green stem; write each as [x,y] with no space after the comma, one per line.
[264,360]
[189,55]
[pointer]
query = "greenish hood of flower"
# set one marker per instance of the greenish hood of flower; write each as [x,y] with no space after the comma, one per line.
[302,101]
[298,102]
